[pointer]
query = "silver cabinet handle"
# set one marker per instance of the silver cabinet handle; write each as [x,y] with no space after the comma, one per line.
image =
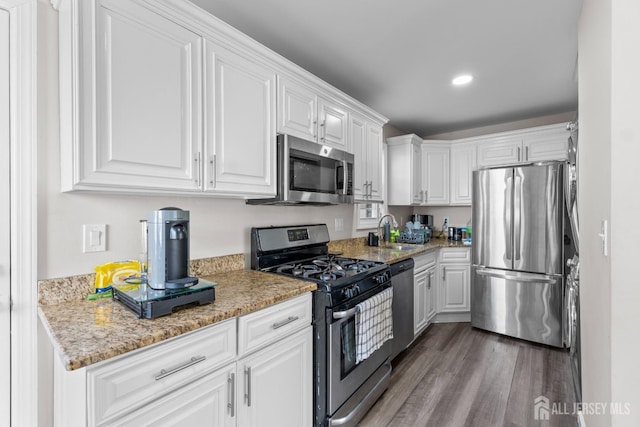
[197,168]
[429,282]
[164,373]
[212,163]
[285,322]
[422,196]
[526,153]
[231,383]
[426,196]
[247,377]
[346,313]
[443,272]
[518,153]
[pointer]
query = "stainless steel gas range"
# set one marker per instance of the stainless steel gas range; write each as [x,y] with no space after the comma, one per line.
[345,386]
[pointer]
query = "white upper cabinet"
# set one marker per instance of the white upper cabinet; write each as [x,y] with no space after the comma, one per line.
[524,146]
[435,172]
[297,110]
[404,167]
[131,117]
[366,141]
[333,125]
[240,125]
[374,162]
[548,143]
[463,163]
[315,118]
[418,171]
[163,98]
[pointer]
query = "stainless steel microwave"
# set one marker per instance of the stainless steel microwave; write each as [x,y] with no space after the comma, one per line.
[311,174]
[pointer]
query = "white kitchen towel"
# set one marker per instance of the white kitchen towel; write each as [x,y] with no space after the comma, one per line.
[374,323]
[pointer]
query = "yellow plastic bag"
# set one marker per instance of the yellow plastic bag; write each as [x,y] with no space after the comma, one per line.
[117,273]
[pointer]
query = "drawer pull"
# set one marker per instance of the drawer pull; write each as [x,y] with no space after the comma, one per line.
[164,373]
[285,322]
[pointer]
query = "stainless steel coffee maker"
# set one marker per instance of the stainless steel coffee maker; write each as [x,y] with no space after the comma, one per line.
[168,248]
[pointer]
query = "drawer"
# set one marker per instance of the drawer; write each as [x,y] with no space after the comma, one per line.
[268,325]
[424,260]
[130,382]
[455,255]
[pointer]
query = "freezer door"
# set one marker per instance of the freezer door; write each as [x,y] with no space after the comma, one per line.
[493,218]
[538,212]
[521,305]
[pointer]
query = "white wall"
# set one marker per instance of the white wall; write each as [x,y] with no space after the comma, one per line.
[625,209]
[609,149]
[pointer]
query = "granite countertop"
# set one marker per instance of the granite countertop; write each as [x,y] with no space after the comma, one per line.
[357,248]
[86,332]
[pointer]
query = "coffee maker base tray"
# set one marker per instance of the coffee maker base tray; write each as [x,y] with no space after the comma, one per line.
[164,306]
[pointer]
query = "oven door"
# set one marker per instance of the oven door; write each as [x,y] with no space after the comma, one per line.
[345,376]
[315,173]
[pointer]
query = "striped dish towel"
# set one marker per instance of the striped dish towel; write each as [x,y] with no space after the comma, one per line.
[374,324]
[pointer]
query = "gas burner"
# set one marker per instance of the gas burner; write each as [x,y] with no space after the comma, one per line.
[326,275]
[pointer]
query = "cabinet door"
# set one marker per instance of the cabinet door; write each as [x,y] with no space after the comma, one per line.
[240,121]
[275,386]
[546,145]
[297,114]
[420,295]
[500,151]
[463,163]
[358,136]
[206,402]
[431,294]
[332,125]
[454,289]
[435,174]
[374,161]
[147,102]
[417,192]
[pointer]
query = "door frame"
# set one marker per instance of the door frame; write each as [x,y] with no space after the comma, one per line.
[23,223]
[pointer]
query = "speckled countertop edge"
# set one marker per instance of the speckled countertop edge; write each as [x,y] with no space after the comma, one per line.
[86,332]
[357,248]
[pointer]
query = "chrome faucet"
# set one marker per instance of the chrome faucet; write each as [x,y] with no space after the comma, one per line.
[381,235]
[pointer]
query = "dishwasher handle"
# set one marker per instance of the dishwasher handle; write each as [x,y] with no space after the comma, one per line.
[402,266]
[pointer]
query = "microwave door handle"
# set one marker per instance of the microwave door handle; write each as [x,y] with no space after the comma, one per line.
[345,177]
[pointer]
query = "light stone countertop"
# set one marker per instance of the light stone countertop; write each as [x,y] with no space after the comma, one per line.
[357,248]
[87,332]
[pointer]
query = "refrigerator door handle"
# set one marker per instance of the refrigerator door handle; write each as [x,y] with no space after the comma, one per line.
[517,215]
[519,277]
[508,215]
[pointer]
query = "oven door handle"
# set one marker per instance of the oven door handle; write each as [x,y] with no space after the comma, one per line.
[345,314]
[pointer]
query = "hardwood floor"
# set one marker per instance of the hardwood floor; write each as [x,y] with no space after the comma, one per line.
[454,375]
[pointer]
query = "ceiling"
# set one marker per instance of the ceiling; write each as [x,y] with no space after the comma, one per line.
[399,56]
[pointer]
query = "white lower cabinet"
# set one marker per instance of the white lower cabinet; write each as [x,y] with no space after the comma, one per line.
[203,403]
[455,282]
[275,385]
[202,379]
[424,291]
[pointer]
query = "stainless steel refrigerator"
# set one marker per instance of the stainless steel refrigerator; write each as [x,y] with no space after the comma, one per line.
[517,283]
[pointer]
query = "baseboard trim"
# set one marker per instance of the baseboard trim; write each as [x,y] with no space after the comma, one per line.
[452,317]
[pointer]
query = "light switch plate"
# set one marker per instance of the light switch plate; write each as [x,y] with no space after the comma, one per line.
[94,238]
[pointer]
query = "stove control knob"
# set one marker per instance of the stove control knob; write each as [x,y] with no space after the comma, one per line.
[356,290]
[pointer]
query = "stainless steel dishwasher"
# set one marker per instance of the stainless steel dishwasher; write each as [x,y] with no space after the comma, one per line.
[402,308]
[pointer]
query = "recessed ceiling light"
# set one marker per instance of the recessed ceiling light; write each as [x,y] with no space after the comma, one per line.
[462,79]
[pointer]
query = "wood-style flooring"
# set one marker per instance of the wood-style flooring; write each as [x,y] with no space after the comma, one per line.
[454,375]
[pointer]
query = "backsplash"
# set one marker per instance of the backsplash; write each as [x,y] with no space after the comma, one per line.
[74,288]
